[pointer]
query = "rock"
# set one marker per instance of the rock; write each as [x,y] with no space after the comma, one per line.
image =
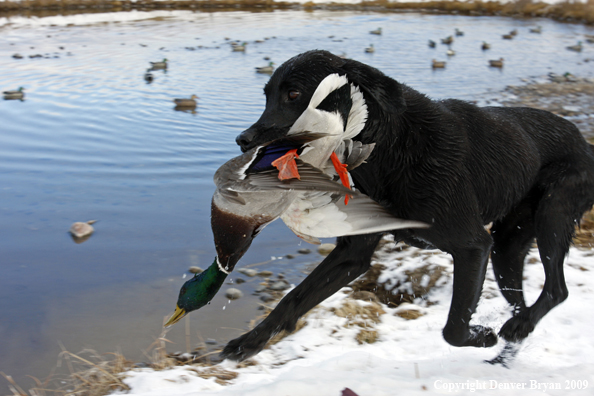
[233,294]
[280,285]
[290,256]
[304,251]
[265,273]
[266,297]
[195,270]
[81,231]
[248,272]
[239,281]
[260,289]
[211,341]
[325,248]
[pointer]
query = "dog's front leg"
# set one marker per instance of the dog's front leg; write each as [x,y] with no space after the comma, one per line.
[350,258]
[470,264]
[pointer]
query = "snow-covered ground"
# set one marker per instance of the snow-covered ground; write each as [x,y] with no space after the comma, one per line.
[410,357]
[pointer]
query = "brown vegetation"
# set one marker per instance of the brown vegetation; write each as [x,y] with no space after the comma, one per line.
[569,11]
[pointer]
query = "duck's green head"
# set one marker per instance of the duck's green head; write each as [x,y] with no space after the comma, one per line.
[198,291]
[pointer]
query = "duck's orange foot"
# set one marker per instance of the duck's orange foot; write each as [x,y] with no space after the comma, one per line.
[286,165]
[342,173]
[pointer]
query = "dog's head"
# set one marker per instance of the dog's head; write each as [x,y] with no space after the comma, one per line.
[292,85]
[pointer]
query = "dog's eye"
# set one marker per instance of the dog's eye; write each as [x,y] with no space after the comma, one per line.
[294,94]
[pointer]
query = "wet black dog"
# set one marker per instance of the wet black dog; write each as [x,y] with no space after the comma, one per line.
[453,165]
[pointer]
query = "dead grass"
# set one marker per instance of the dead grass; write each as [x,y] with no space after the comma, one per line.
[584,237]
[568,11]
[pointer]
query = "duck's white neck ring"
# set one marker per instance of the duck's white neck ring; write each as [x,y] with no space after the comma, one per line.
[221,267]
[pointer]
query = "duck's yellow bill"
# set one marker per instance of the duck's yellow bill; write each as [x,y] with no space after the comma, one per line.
[176,317]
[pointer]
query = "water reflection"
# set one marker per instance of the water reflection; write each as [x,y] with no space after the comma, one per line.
[94,140]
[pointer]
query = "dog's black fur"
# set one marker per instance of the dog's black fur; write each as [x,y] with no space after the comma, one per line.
[455,166]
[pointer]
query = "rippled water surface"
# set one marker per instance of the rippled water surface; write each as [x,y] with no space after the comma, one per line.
[92,140]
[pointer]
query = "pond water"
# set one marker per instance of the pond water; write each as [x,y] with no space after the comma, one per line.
[94,141]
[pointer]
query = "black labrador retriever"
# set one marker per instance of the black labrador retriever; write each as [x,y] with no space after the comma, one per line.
[457,167]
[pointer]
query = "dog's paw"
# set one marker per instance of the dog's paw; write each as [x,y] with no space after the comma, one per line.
[507,355]
[482,337]
[244,347]
[516,329]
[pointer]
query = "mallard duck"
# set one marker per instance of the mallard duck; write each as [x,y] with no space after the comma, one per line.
[186,103]
[159,65]
[485,46]
[459,32]
[266,69]
[148,76]
[431,44]
[239,48]
[508,36]
[19,94]
[370,49]
[496,63]
[438,64]
[537,29]
[450,52]
[377,31]
[250,193]
[576,48]
[448,40]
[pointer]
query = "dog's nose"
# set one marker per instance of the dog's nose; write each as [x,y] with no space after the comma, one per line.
[245,138]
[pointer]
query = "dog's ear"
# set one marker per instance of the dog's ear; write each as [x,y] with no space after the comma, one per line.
[376,86]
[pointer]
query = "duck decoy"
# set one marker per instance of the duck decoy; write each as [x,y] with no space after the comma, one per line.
[250,193]
[496,63]
[576,48]
[450,52]
[370,49]
[537,29]
[431,44]
[148,76]
[266,69]
[448,40]
[19,94]
[459,32]
[239,48]
[485,46]
[159,65]
[81,231]
[438,64]
[377,31]
[507,36]
[186,103]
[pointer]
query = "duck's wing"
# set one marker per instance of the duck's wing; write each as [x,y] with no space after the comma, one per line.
[311,179]
[324,215]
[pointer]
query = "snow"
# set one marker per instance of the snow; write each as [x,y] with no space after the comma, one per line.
[410,357]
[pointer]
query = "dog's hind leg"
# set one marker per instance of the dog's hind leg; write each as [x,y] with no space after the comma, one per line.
[562,205]
[470,264]
[350,258]
[512,238]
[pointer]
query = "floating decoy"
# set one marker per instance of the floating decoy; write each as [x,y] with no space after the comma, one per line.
[15,95]
[377,31]
[485,46]
[431,44]
[576,48]
[450,52]
[370,49]
[508,36]
[496,63]
[188,104]
[159,65]
[459,32]
[537,29]
[148,76]
[448,40]
[266,69]
[239,48]
[438,64]
[250,193]
[81,231]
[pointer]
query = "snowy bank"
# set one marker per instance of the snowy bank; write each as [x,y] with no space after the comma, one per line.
[406,354]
